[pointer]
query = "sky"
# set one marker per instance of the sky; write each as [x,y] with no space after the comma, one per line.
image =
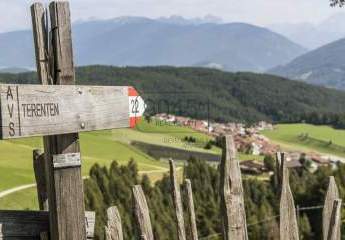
[15,14]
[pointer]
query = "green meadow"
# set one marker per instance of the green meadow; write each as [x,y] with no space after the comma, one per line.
[307,137]
[100,147]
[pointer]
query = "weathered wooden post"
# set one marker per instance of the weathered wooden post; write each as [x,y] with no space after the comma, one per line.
[335,221]
[176,195]
[279,157]
[142,215]
[331,195]
[191,210]
[232,201]
[39,169]
[65,185]
[288,221]
[58,113]
[113,230]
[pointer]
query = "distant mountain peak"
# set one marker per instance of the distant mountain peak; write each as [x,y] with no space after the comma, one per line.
[176,19]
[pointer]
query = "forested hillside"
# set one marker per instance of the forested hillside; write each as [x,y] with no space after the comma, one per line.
[323,66]
[202,93]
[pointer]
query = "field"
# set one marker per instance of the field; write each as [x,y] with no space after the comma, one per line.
[323,139]
[100,147]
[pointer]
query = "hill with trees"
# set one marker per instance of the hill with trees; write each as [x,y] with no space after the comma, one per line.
[322,66]
[207,93]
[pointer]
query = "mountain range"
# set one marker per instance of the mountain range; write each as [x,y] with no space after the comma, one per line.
[175,41]
[323,66]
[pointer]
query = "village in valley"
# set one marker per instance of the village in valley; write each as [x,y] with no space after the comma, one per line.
[249,139]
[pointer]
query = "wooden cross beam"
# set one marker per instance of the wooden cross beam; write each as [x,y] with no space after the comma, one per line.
[30,224]
[42,110]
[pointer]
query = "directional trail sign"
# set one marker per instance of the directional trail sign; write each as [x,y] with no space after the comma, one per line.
[40,110]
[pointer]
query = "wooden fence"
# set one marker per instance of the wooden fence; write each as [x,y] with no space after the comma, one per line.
[232,204]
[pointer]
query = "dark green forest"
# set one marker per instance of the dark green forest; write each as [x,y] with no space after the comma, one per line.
[205,93]
[112,186]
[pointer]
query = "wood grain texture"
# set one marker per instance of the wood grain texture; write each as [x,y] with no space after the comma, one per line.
[23,224]
[176,195]
[232,201]
[190,209]
[331,195]
[65,186]
[334,232]
[40,110]
[90,223]
[279,157]
[39,169]
[288,220]
[20,225]
[141,212]
[40,34]
[113,230]
[44,61]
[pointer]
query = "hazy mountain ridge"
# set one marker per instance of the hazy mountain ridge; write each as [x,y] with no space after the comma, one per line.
[324,66]
[176,41]
[311,35]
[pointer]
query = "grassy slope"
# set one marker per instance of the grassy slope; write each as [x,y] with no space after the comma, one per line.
[287,136]
[97,147]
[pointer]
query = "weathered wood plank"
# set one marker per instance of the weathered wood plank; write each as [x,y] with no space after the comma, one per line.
[39,169]
[31,224]
[334,232]
[90,223]
[232,201]
[36,110]
[43,62]
[65,185]
[23,224]
[288,220]
[191,210]
[113,229]
[279,157]
[176,195]
[40,34]
[331,195]
[141,212]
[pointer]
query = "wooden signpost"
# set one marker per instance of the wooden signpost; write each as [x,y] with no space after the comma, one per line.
[58,110]
[41,110]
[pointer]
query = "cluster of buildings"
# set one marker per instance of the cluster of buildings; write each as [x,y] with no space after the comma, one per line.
[251,141]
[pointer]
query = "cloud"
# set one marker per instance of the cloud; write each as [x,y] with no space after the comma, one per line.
[15,14]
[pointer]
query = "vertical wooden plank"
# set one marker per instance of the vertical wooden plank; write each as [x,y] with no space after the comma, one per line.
[232,201]
[40,34]
[279,157]
[39,169]
[141,211]
[40,40]
[176,195]
[191,210]
[331,195]
[335,223]
[113,229]
[288,221]
[65,185]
